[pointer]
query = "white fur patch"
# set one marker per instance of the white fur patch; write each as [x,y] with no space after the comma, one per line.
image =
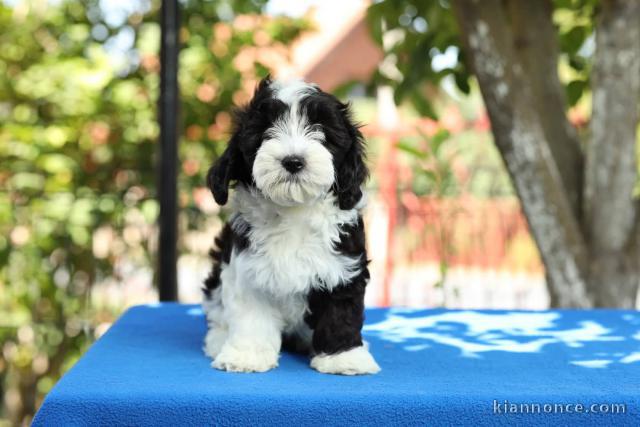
[254,327]
[357,361]
[217,330]
[245,359]
[265,286]
[292,248]
[291,135]
[292,91]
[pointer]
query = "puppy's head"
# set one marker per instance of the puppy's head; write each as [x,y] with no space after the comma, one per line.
[294,143]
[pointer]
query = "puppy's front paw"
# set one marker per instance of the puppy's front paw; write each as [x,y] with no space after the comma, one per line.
[357,361]
[214,340]
[249,359]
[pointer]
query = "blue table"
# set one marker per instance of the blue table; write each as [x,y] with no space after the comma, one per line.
[438,367]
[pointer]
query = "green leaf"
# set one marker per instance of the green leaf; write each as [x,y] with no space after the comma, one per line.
[462,81]
[375,15]
[577,62]
[572,40]
[423,106]
[574,91]
[431,176]
[563,4]
[410,149]
[438,139]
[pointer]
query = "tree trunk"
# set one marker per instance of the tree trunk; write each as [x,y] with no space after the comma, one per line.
[611,173]
[589,253]
[522,143]
[614,280]
[536,47]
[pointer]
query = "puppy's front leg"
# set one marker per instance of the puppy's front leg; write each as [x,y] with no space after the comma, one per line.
[336,319]
[254,339]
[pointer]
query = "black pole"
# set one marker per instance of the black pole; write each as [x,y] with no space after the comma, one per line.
[168,151]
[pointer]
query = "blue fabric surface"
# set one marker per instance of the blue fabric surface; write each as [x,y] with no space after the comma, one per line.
[439,367]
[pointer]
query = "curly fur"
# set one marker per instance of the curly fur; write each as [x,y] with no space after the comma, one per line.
[290,266]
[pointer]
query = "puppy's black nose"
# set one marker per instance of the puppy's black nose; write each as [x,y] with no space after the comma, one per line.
[293,163]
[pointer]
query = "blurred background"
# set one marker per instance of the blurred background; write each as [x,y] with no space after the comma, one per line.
[447,225]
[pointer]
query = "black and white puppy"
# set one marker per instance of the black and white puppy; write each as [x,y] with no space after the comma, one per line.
[290,265]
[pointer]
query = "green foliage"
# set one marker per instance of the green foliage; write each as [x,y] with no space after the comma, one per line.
[416,34]
[433,172]
[78,89]
[453,166]
[412,34]
[575,23]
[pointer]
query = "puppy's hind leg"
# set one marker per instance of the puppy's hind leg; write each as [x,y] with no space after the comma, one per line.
[218,329]
[298,340]
[212,305]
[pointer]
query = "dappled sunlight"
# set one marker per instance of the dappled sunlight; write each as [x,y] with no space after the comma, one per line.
[195,311]
[633,357]
[478,332]
[596,363]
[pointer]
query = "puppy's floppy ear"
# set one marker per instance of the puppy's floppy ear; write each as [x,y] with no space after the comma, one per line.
[352,172]
[230,166]
[223,171]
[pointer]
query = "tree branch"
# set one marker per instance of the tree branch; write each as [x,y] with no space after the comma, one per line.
[611,213]
[536,46]
[524,147]
[611,169]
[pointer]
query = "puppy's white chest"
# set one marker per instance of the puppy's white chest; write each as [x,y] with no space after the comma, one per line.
[293,250]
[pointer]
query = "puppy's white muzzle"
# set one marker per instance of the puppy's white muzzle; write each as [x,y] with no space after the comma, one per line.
[293,174]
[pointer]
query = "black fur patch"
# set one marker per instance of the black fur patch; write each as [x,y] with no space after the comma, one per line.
[337,316]
[345,143]
[221,253]
[250,124]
